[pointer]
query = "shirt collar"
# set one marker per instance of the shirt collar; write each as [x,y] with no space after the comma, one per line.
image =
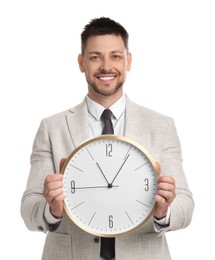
[96,109]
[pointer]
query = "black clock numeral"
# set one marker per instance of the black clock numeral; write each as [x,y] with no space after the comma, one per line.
[109,149]
[73,187]
[146,180]
[110,221]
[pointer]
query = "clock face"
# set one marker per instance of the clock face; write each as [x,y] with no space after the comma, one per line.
[110,183]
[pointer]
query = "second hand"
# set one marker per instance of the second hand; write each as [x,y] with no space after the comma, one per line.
[95,187]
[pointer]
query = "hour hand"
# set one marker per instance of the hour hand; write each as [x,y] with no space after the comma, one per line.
[102,173]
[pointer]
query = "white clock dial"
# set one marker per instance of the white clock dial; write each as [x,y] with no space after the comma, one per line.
[110,183]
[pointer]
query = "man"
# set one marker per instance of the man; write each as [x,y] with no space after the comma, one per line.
[105,60]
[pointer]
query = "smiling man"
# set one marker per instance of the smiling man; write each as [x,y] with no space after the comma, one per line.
[105,61]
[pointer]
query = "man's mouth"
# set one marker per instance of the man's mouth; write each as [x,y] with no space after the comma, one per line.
[106,78]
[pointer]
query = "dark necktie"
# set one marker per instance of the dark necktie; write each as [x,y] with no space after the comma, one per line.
[107,244]
[108,126]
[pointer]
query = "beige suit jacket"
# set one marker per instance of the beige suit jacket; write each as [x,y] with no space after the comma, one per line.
[57,137]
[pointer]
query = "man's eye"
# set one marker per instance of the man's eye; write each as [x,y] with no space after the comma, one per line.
[95,58]
[116,57]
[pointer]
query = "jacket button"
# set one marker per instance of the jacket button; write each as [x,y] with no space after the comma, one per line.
[40,228]
[96,239]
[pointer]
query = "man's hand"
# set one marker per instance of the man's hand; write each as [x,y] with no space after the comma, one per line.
[165,194]
[53,192]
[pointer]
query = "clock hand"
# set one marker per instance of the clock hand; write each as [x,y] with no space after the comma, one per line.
[120,169]
[95,187]
[102,173]
[97,165]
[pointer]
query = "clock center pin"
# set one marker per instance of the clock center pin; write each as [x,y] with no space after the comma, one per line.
[110,185]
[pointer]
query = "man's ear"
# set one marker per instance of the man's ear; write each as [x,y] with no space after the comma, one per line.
[80,62]
[129,60]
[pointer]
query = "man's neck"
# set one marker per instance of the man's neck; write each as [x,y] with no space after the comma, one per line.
[106,101]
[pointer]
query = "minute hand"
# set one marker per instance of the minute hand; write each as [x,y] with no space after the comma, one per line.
[120,168]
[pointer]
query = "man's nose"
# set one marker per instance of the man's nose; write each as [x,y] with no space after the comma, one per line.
[106,65]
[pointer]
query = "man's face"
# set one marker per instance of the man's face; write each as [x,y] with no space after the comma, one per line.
[105,63]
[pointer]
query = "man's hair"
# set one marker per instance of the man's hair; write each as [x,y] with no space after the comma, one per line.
[103,26]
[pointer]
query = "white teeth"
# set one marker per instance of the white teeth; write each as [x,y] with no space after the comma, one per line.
[106,78]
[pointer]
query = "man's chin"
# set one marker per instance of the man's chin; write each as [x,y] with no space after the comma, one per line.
[107,90]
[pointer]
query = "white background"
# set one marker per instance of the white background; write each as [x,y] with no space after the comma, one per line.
[173,47]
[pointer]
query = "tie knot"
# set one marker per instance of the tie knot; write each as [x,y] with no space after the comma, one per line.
[107,114]
[108,126]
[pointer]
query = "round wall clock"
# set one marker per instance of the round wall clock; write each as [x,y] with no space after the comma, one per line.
[110,183]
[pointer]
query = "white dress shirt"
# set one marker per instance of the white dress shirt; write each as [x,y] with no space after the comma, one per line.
[95,111]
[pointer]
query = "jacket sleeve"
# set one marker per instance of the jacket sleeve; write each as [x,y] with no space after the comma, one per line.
[33,203]
[171,164]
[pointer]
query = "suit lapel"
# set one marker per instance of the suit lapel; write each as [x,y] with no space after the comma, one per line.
[77,121]
[137,124]
[140,126]
[133,129]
